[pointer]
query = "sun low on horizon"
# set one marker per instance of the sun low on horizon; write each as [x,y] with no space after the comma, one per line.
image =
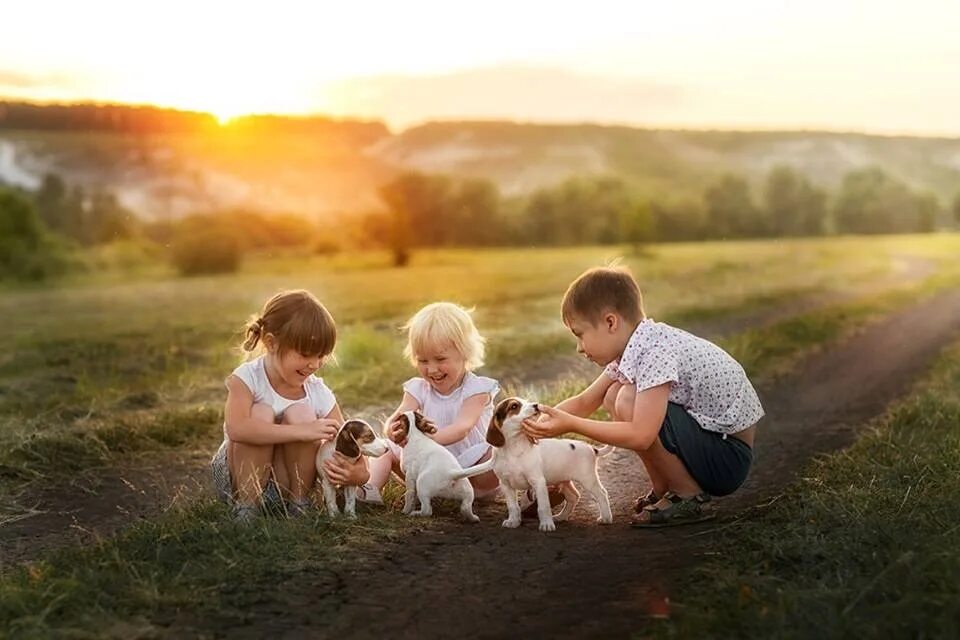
[848,64]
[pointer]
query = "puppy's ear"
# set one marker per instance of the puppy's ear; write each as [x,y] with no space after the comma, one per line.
[361,431]
[494,431]
[345,441]
[404,428]
[424,425]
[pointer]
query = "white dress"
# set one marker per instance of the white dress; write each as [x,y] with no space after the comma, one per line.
[442,410]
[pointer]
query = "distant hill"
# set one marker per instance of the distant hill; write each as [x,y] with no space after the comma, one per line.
[168,163]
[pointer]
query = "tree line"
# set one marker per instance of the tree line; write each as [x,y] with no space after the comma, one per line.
[437,211]
[40,229]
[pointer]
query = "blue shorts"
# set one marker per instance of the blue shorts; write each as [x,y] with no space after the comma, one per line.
[719,465]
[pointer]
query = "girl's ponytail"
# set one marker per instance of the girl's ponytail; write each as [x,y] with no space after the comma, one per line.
[253,335]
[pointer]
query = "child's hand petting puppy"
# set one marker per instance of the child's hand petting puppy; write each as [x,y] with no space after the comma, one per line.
[344,471]
[395,431]
[549,424]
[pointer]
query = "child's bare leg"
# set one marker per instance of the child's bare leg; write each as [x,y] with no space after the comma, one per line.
[672,471]
[250,464]
[623,410]
[300,458]
[380,469]
[485,482]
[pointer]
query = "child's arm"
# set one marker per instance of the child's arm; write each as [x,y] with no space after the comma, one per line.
[649,410]
[409,403]
[466,419]
[589,400]
[243,427]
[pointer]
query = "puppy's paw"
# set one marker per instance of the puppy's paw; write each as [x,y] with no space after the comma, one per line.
[352,515]
[605,520]
[419,513]
[547,525]
[333,513]
[471,518]
[511,524]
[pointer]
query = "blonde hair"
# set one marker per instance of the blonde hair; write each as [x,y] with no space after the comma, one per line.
[297,320]
[603,289]
[444,322]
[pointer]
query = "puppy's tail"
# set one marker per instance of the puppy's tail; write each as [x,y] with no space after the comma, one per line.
[607,450]
[475,470]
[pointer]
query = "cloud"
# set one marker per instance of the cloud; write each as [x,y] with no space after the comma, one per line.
[507,91]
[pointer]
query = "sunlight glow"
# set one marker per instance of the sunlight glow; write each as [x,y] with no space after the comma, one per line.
[821,63]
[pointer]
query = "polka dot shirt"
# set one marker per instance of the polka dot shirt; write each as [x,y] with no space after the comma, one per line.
[704,378]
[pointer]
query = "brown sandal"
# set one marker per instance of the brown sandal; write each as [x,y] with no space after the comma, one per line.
[645,501]
[677,511]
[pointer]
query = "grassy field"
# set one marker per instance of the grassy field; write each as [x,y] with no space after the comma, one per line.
[109,366]
[867,545]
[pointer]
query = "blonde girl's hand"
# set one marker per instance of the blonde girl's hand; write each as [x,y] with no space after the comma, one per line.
[342,470]
[394,431]
[549,424]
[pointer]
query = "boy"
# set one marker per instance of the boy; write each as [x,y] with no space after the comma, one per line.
[682,403]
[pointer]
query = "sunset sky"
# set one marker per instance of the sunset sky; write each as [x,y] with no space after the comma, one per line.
[879,66]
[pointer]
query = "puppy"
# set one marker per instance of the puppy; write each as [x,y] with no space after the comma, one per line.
[356,438]
[430,471]
[520,464]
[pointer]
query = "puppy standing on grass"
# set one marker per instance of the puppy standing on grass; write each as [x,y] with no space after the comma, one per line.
[521,464]
[430,471]
[356,438]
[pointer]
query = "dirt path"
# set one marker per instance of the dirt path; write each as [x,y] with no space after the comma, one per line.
[585,580]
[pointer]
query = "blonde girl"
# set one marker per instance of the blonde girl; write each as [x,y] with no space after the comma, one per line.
[444,346]
[278,412]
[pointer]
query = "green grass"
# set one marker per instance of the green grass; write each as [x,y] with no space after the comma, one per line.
[139,368]
[866,545]
[93,357]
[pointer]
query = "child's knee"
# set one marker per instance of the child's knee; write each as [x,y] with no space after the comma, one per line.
[298,413]
[263,412]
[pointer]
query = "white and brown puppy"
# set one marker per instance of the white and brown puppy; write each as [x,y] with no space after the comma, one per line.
[356,438]
[430,471]
[521,463]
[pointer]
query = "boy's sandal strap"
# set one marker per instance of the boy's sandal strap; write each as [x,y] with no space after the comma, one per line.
[678,511]
[645,501]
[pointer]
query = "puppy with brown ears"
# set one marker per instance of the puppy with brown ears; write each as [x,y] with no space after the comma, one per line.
[354,439]
[430,471]
[521,463]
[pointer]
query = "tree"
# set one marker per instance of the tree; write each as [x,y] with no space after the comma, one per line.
[637,226]
[731,212]
[870,201]
[474,214]
[27,250]
[682,219]
[956,209]
[794,206]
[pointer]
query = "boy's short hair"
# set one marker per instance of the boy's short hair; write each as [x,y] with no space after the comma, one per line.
[444,322]
[603,289]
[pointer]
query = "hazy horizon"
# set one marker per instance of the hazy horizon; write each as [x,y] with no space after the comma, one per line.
[860,67]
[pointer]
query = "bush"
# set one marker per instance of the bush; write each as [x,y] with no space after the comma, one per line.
[206,249]
[28,251]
